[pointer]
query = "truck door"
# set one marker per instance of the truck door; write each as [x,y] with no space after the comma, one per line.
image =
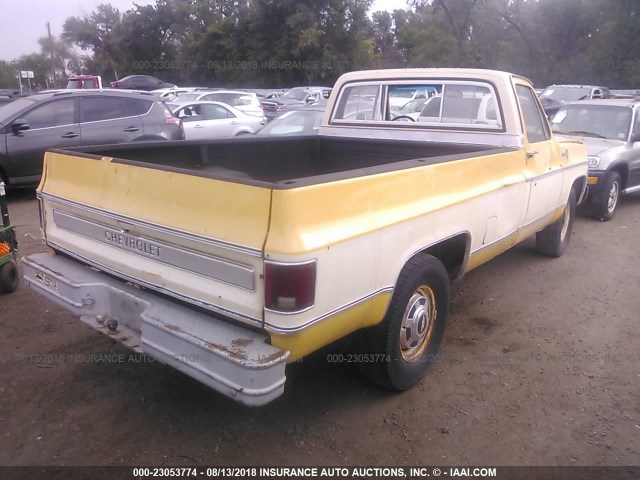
[543,170]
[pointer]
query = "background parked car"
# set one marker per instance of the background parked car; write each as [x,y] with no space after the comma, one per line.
[246,102]
[71,118]
[205,120]
[296,122]
[141,82]
[610,129]
[399,96]
[554,96]
[275,107]
[169,94]
[9,95]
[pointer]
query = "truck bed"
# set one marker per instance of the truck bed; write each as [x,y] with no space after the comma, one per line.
[282,163]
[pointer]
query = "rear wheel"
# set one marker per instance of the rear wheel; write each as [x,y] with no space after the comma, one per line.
[603,207]
[403,346]
[8,277]
[553,240]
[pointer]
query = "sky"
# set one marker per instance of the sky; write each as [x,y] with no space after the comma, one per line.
[22,23]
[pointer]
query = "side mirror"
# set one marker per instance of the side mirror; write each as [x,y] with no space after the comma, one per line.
[309,100]
[635,137]
[19,125]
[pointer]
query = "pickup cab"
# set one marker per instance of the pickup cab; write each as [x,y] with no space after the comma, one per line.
[230,259]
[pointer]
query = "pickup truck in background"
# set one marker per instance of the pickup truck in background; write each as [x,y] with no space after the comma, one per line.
[229,259]
[85,82]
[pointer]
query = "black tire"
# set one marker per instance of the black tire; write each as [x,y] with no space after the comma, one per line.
[553,240]
[603,206]
[8,277]
[396,361]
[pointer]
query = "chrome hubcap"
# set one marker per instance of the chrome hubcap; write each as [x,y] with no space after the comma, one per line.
[612,201]
[417,323]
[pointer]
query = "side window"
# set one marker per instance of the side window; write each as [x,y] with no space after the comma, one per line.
[188,114]
[535,126]
[52,114]
[140,107]
[359,103]
[215,112]
[94,109]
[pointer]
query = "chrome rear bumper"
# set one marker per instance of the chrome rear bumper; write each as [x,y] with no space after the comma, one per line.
[234,361]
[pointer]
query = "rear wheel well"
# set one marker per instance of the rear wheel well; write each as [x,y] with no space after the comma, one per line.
[452,252]
[578,188]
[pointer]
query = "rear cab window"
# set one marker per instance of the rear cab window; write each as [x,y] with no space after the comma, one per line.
[433,104]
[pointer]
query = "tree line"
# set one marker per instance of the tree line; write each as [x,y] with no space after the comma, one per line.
[278,43]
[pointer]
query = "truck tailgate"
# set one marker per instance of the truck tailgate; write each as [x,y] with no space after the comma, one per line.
[184,235]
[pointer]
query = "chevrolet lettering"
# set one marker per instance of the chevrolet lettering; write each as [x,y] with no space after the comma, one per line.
[132,243]
[253,254]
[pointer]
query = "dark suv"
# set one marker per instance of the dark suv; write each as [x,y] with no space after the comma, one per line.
[141,82]
[31,125]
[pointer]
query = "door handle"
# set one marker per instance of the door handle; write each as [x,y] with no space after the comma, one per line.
[131,129]
[531,154]
[197,126]
[234,122]
[69,135]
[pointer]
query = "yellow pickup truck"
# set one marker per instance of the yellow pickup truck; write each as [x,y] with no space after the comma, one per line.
[229,259]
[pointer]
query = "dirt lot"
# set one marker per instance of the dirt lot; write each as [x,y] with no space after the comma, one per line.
[540,366]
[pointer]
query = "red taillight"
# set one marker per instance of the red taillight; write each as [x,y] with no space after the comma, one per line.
[289,287]
[172,121]
[116,84]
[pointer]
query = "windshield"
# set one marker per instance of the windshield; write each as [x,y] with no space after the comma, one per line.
[566,94]
[296,94]
[10,110]
[601,121]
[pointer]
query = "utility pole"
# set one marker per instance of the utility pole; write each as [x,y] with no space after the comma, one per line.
[53,63]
